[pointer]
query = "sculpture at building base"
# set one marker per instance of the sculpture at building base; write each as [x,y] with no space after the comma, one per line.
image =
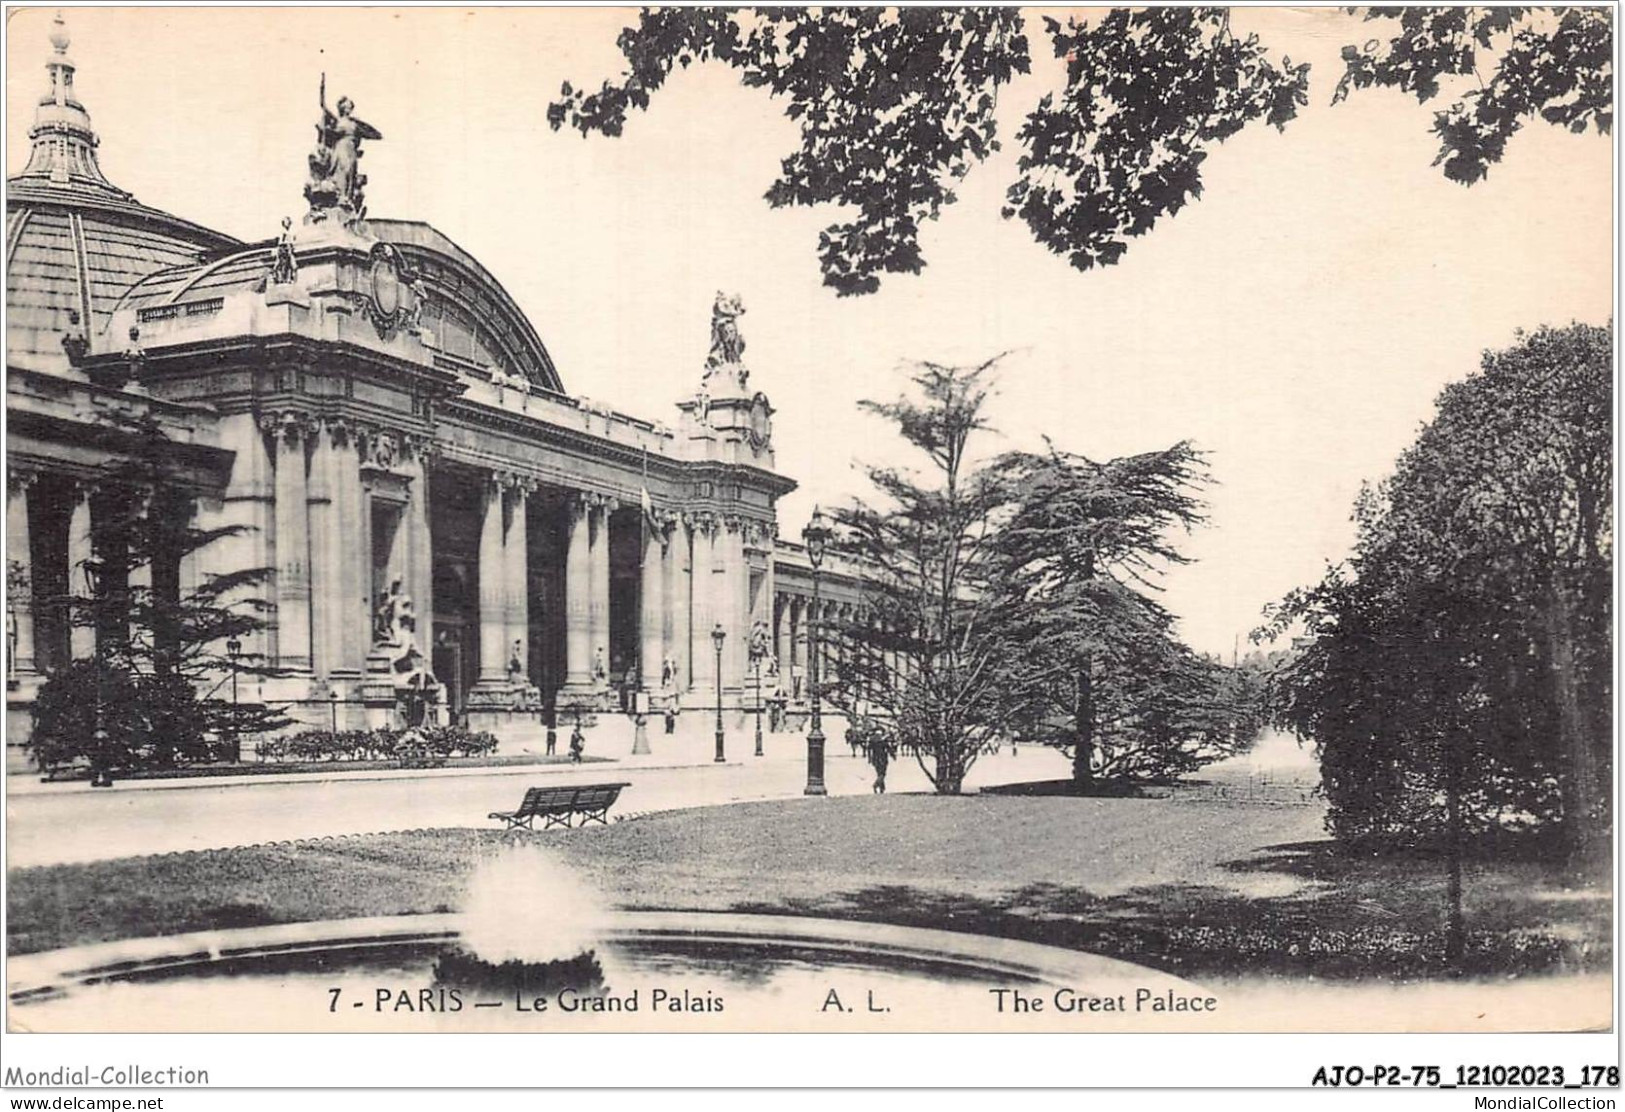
[395,658]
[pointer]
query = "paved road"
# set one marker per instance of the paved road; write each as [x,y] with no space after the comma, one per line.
[48,827]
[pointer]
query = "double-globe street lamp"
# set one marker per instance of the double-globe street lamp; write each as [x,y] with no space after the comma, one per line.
[815,536]
[718,635]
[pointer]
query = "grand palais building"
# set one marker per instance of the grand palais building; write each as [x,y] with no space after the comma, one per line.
[364,400]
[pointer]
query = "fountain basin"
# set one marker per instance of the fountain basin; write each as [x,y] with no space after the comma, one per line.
[664,970]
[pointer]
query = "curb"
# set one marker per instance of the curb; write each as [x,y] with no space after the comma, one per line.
[75,787]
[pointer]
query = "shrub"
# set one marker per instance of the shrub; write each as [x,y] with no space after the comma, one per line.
[388,743]
[145,720]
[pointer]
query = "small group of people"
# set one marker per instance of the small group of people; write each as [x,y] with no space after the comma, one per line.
[578,740]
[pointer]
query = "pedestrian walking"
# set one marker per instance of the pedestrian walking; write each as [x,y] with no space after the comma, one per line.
[879,759]
[578,744]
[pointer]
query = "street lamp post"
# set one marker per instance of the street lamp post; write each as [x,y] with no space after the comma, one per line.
[816,535]
[234,649]
[101,775]
[718,635]
[333,706]
[756,670]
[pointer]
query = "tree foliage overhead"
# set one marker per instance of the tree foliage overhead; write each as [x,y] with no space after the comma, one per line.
[1469,636]
[1551,64]
[897,105]
[1148,93]
[894,107]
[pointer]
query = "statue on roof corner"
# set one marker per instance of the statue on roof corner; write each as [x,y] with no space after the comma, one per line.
[727,345]
[335,178]
[284,262]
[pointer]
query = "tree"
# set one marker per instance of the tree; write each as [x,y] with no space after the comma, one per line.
[147,697]
[1089,659]
[1456,675]
[1552,64]
[924,658]
[897,105]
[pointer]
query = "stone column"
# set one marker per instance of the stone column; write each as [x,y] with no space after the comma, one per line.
[680,601]
[802,605]
[141,574]
[599,580]
[818,644]
[247,505]
[81,638]
[418,547]
[355,556]
[843,641]
[493,590]
[19,552]
[780,633]
[652,609]
[326,548]
[291,543]
[578,615]
[733,593]
[517,592]
[700,650]
[833,647]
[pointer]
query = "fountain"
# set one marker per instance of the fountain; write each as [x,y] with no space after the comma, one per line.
[536,949]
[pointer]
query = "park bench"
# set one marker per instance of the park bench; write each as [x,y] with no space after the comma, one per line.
[559,806]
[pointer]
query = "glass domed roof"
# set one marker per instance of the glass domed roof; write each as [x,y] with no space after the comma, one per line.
[75,242]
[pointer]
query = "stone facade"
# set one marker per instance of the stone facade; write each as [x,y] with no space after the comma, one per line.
[368,403]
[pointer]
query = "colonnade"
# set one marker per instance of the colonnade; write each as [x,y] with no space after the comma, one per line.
[340,512]
[693,574]
[793,618]
[51,514]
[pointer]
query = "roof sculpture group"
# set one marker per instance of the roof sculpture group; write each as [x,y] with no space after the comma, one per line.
[336,181]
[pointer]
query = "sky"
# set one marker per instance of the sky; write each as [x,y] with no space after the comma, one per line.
[1296,323]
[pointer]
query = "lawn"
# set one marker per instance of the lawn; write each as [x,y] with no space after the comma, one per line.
[1196,888]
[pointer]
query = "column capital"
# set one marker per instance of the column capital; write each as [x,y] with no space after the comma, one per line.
[339,429]
[18,480]
[585,502]
[760,534]
[508,481]
[419,448]
[287,426]
[85,486]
